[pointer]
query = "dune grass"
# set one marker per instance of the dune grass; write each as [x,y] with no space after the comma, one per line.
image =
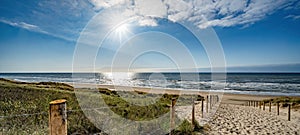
[19,98]
[284,101]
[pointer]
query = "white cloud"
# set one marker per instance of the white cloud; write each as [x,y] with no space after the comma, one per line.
[147,22]
[99,4]
[294,17]
[203,13]
[31,27]
[24,25]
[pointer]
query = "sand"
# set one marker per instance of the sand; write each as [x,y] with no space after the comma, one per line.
[235,119]
[238,119]
[232,117]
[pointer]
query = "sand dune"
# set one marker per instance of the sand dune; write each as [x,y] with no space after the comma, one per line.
[237,119]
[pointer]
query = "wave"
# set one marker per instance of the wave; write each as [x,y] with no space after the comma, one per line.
[235,83]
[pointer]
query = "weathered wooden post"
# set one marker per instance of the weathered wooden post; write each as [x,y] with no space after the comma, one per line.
[58,117]
[289,112]
[264,105]
[210,102]
[202,106]
[193,114]
[270,103]
[215,99]
[277,108]
[172,115]
[259,103]
[207,104]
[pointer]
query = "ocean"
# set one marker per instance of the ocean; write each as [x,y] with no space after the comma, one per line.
[241,83]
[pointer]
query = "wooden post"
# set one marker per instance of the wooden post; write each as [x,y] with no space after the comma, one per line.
[172,115]
[289,112]
[207,104]
[277,108]
[202,107]
[270,103]
[264,105]
[215,99]
[210,102]
[259,103]
[58,117]
[193,114]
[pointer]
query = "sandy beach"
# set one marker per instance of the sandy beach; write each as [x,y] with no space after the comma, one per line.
[233,117]
[238,119]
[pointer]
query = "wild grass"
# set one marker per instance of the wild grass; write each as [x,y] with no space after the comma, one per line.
[19,98]
[284,101]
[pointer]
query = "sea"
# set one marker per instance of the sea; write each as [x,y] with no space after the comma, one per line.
[286,84]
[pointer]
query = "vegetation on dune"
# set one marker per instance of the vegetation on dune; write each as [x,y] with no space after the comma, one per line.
[139,111]
[187,128]
[19,98]
[50,85]
[294,101]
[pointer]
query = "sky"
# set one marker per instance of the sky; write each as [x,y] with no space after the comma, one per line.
[49,35]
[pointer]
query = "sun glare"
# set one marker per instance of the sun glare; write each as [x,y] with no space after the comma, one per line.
[122,28]
[122,32]
[119,78]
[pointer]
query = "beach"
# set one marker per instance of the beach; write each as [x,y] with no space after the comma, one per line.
[230,115]
[236,119]
[233,116]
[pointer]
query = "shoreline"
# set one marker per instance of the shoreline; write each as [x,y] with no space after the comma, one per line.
[229,98]
[113,87]
[226,97]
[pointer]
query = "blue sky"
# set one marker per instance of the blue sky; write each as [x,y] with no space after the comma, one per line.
[41,36]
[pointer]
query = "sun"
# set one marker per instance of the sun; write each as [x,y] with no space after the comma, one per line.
[122,29]
[122,32]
